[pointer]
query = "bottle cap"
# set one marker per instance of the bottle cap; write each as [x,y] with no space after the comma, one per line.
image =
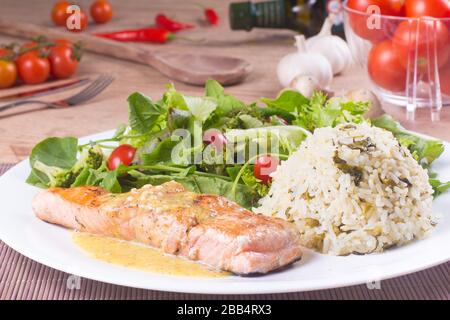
[241,16]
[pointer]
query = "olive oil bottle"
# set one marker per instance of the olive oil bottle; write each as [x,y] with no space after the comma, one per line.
[305,16]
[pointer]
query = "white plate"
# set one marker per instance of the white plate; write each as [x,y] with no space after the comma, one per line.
[53,246]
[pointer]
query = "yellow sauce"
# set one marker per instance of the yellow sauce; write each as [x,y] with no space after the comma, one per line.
[140,257]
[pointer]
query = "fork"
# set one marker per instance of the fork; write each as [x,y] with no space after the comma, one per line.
[97,86]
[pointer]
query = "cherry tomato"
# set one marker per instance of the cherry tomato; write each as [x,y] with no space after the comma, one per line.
[427,8]
[264,166]
[216,138]
[63,42]
[8,74]
[33,69]
[123,154]
[62,61]
[432,34]
[101,11]
[83,22]
[29,45]
[444,75]
[385,68]
[360,21]
[59,13]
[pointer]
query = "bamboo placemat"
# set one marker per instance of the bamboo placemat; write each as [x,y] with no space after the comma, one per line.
[22,278]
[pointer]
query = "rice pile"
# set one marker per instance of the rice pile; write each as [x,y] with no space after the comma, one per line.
[352,189]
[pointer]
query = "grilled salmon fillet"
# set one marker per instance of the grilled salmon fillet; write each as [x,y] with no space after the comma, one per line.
[205,228]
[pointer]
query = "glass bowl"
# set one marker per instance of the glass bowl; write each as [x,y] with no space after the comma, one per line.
[407,59]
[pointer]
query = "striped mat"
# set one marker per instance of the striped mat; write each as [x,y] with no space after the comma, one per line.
[22,278]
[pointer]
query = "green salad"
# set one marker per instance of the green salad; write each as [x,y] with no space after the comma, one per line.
[214,143]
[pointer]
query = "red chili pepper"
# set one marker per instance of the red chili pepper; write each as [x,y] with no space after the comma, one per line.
[139,35]
[162,21]
[211,16]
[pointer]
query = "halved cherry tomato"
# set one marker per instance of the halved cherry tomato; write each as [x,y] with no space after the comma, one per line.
[123,154]
[101,11]
[385,68]
[360,21]
[33,69]
[62,61]
[264,166]
[215,137]
[433,35]
[59,13]
[427,8]
[8,73]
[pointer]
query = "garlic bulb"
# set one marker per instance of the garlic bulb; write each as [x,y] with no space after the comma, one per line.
[305,64]
[335,49]
[306,85]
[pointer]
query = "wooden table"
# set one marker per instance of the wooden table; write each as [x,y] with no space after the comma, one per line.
[263,48]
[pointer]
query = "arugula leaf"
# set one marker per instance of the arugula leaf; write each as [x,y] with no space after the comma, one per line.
[57,156]
[161,154]
[225,103]
[289,100]
[288,138]
[57,152]
[174,99]
[120,130]
[322,112]
[249,121]
[143,114]
[214,89]
[439,187]
[177,118]
[110,182]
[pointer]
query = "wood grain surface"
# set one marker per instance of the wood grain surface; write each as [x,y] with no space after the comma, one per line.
[20,129]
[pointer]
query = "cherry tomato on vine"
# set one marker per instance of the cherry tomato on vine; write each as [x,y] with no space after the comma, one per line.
[123,154]
[4,52]
[385,68]
[360,21]
[101,11]
[427,8]
[59,13]
[433,37]
[62,61]
[32,68]
[8,73]
[264,166]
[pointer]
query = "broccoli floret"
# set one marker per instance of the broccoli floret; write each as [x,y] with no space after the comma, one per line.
[91,158]
[59,177]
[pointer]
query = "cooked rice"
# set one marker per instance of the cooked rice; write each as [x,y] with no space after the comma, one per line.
[352,189]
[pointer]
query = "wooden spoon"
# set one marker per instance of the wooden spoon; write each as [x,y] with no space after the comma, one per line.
[185,67]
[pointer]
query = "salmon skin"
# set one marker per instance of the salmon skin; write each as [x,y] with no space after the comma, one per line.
[204,228]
